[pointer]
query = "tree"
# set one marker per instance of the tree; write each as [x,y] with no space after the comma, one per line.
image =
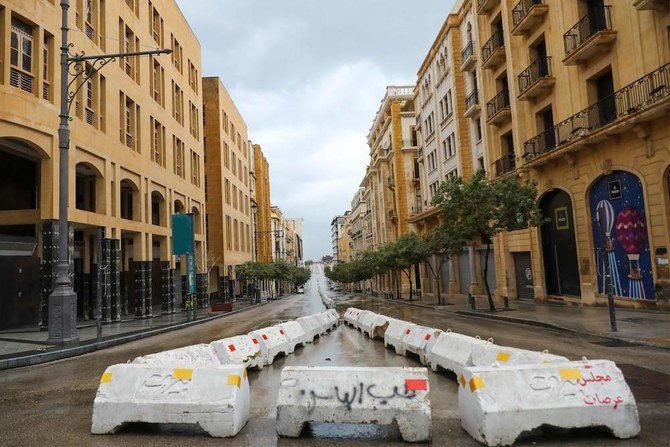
[477,209]
[410,250]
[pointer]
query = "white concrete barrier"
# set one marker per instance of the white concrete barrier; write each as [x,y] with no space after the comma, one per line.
[272,342]
[214,397]
[373,325]
[242,349]
[453,352]
[396,330]
[332,318]
[420,340]
[351,315]
[194,355]
[325,322]
[312,327]
[294,332]
[498,403]
[355,395]
[486,354]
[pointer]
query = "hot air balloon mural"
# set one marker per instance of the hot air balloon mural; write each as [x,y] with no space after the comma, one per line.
[631,231]
[608,225]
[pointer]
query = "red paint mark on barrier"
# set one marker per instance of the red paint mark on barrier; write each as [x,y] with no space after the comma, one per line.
[427,337]
[265,337]
[232,348]
[407,332]
[416,384]
[255,341]
[281,331]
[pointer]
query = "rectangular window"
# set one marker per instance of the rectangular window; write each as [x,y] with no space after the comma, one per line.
[478,129]
[229,233]
[129,119]
[157,85]
[192,76]
[226,126]
[234,164]
[177,54]
[432,189]
[194,120]
[234,196]
[46,63]
[156,25]
[227,192]
[226,155]
[178,147]
[177,103]
[21,56]
[157,142]
[195,168]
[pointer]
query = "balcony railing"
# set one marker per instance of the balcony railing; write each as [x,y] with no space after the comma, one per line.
[472,99]
[496,41]
[599,19]
[538,69]
[521,10]
[468,51]
[635,97]
[505,164]
[497,104]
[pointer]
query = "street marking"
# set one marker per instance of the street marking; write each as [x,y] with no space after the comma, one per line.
[476,383]
[106,377]
[503,357]
[416,384]
[570,374]
[182,374]
[234,379]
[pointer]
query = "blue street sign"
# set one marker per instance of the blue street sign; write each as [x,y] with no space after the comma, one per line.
[183,234]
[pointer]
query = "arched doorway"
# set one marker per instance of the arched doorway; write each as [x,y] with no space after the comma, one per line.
[624,239]
[130,200]
[559,245]
[89,188]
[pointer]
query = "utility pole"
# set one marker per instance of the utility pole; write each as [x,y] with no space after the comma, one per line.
[63,299]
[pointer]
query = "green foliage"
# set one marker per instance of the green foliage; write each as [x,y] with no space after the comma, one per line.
[276,270]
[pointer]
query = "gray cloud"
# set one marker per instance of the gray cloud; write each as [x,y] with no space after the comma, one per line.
[308,75]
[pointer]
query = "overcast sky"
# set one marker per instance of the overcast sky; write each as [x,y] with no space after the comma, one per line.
[308,77]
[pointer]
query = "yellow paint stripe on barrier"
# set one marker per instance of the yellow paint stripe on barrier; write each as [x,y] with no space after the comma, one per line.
[570,373]
[234,379]
[476,383]
[106,377]
[462,380]
[182,374]
[245,373]
[503,357]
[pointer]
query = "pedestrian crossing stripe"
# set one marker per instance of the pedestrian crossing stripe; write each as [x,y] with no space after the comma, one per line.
[182,374]
[106,377]
[235,380]
[503,357]
[476,383]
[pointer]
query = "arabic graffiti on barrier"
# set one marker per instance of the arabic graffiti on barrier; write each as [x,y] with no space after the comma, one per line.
[589,390]
[621,199]
[361,393]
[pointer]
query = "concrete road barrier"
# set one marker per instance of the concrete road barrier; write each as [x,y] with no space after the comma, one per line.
[330,321]
[373,325]
[486,354]
[355,395]
[194,355]
[312,327]
[499,403]
[214,397]
[335,317]
[242,349]
[362,316]
[420,340]
[272,342]
[351,315]
[453,352]
[396,330]
[294,332]
[325,322]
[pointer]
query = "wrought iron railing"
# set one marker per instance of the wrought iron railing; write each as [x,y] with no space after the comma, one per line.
[468,51]
[472,99]
[598,19]
[633,98]
[538,69]
[521,10]
[497,104]
[496,41]
[505,164]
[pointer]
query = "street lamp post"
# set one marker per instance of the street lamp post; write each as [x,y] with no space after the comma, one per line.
[63,299]
[257,290]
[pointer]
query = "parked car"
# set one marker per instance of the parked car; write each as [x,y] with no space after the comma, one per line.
[300,289]
[336,288]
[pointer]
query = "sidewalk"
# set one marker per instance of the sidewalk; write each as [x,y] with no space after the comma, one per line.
[647,327]
[22,347]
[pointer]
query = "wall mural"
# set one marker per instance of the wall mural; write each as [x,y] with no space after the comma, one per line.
[620,197]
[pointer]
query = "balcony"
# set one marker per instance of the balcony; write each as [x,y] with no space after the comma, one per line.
[498,109]
[643,100]
[593,34]
[536,80]
[493,51]
[526,15]
[468,57]
[484,6]
[657,5]
[505,164]
[472,104]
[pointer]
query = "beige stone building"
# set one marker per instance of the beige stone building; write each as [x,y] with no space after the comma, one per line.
[136,155]
[230,228]
[262,207]
[577,95]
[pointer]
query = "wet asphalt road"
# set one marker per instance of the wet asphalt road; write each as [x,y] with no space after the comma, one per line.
[51,404]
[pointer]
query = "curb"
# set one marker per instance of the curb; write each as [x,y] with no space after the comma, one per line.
[529,322]
[59,354]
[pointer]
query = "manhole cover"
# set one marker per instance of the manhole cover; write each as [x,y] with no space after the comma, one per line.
[642,320]
[647,385]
